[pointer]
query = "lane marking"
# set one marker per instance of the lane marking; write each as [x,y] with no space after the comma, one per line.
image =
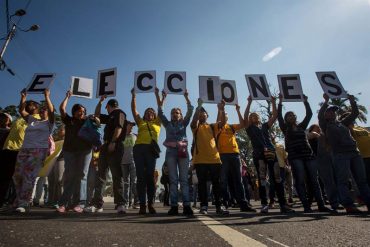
[233,237]
[276,242]
[260,235]
[246,230]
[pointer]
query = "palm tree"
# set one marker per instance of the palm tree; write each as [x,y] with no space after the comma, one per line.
[345,107]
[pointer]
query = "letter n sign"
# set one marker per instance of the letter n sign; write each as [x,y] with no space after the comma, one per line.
[331,85]
[40,82]
[145,81]
[258,87]
[228,92]
[290,87]
[175,82]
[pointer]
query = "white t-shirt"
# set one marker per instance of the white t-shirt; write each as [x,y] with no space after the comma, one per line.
[37,133]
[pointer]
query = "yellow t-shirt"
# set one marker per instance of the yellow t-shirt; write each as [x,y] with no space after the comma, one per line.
[143,136]
[362,137]
[281,154]
[226,142]
[205,150]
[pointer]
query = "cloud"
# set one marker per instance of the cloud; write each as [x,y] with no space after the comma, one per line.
[273,53]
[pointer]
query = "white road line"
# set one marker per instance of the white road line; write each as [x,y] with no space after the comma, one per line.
[276,242]
[246,230]
[260,235]
[233,237]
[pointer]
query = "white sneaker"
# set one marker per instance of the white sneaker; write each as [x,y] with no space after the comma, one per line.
[203,210]
[121,209]
[20,210]
[93,209]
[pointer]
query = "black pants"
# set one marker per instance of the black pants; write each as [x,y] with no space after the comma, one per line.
[205,171]
[8,159]
[113,162]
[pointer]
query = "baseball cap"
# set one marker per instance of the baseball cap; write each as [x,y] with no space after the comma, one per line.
[112,103]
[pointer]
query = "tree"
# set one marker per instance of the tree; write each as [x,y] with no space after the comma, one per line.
[345,107]
[12,110]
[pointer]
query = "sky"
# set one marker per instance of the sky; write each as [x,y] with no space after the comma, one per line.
[202,37]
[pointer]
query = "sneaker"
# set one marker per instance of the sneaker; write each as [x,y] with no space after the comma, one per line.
[308,210]
[286,210]
[326,210]
[174,210]
[21,210]
[203,210]
[142,209]
[151,209]
[353,210]
[135,206]
[222,211]
[61,209]
[247,208]
[92,209]
[78,209]
[264,209]
[121,209]
[187,211]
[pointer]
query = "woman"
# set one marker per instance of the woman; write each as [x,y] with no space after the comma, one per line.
[300,155]
[144,156]
[177,156]
[34,150]
[77,155]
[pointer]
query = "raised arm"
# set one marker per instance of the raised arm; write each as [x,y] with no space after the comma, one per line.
[307,118]
[321,116]
[195,120]
[63,105]
[158,98]
[354,112]
[281,121]
[221,110]
[241,119]
[246,112]
[22,105]
[49,105]
[98,106]
[190,109]
[274,115]
[135,114]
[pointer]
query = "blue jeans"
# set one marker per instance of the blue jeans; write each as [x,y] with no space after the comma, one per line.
[344,163]
[129,183]
[145,166]
[300,169]
[231,169]
[76,165]
[178,169]
[327,175]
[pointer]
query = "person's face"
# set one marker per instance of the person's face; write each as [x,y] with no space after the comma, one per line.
[109,108]
[176,114]
[79,114]
[4,122]
[203,117]
[32,108]
[291,118]
[254,119]
[316,129]
[149,115]
[43,113]
[330,115]
[61,133]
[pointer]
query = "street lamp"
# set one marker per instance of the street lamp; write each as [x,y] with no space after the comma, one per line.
[10,35]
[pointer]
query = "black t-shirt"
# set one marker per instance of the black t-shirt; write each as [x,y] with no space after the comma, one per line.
[73,143]
[117,118]
[260,138]
[3,135]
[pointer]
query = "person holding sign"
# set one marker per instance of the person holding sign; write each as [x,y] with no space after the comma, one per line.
[206,157]
[345,153]
[300,155]
[146,151]
[34,150]
[230,157]
[177,157]
[77,155]
[264,155]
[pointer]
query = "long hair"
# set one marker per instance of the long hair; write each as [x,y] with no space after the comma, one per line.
[177,109]
[76,107]
[150,109]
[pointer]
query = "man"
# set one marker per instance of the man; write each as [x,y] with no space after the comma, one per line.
[110,155]
[206,157]
[231,164]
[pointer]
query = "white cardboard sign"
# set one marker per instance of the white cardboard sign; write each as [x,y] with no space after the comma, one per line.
[258,87]
[228,92]
[145,81]
[175,82]
[40,82]
[290,87]
[331,85]
[209,89]
[107,81]
[82,87]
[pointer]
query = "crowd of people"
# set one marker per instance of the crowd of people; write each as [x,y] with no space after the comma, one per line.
[327,162]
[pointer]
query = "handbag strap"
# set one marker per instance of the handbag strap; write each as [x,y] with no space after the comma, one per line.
[150,132]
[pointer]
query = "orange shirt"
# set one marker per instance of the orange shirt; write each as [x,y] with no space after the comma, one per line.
[226,141]
[205,150]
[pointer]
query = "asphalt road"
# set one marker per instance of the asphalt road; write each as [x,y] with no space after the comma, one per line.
[44,227]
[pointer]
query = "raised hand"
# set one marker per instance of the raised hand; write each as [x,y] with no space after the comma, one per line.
[47,93]
[69,94]
[326,97]
[237,107]
[102,98]
[305,98]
